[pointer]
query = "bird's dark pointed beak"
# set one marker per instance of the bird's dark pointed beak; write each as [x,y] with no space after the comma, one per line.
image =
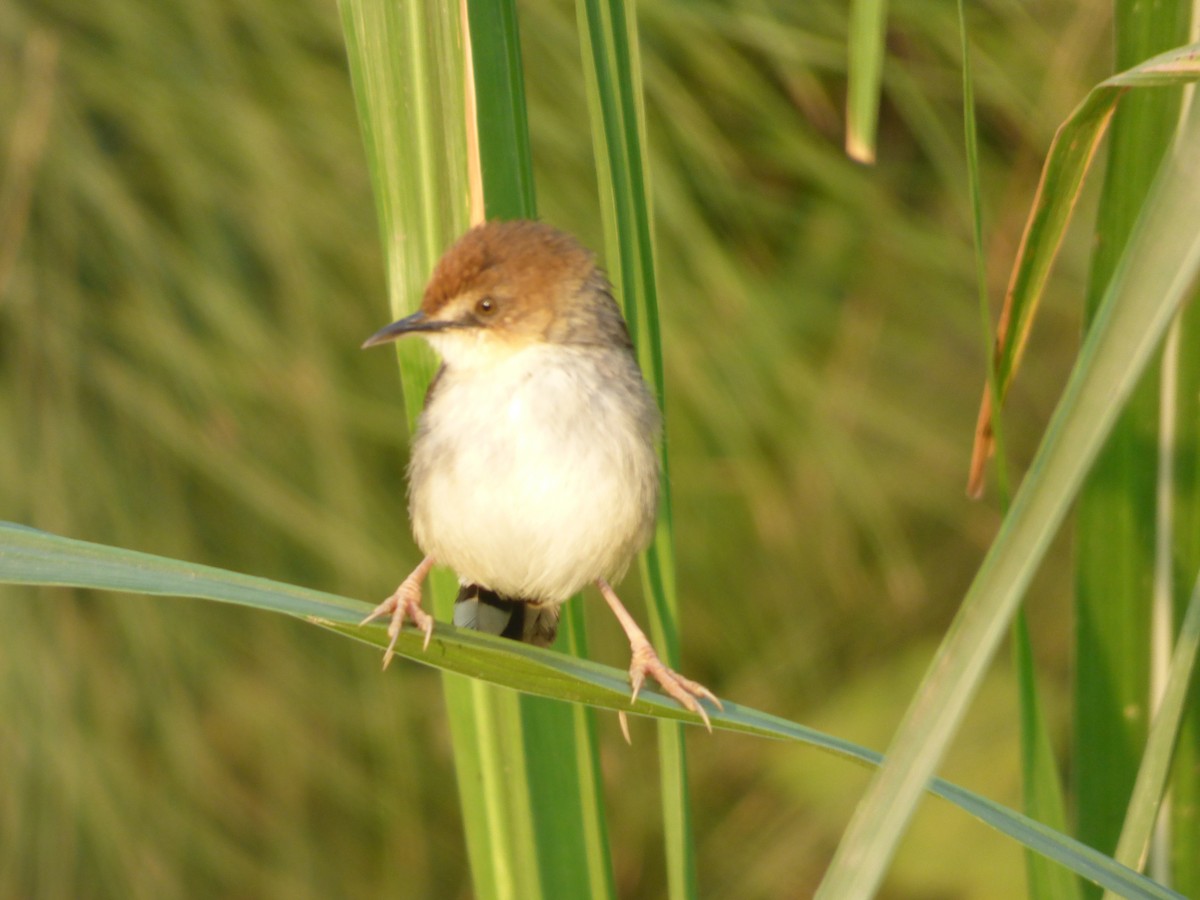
[418,321]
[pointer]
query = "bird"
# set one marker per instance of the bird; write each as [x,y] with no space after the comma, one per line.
[533,469]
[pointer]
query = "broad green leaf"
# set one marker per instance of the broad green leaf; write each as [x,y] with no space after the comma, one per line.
[408,68]
[528,832]
[555,813]
[407,71]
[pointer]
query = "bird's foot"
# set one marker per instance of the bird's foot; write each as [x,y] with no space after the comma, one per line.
[684,691]
[405,603]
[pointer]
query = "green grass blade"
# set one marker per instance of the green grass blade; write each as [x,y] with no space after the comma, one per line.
[975,481]
[502,124]
[1116,518]
[29,556]
[1160,264]
[1040,784]
[408,85]
[575,817]
[561,793]
[517,847]
[407,65]
[485,723]
[1184,819]
[1148,790]
[868,26]
[608,38]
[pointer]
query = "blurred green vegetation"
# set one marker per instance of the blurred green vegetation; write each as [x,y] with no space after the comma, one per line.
[188,263]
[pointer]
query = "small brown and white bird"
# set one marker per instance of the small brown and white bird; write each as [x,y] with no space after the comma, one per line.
[533,469]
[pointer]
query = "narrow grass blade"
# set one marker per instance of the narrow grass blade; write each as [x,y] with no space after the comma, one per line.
[1159,266]
[1067,164]
[1041,787]
[32,557]
[1040,783]
[608,38]
[1156,761]
[868,25]
[1184,818]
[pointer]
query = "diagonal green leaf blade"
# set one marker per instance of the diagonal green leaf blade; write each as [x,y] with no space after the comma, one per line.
[1160,264]
[29,556]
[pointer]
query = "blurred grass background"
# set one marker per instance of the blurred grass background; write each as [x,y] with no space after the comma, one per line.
[188,263]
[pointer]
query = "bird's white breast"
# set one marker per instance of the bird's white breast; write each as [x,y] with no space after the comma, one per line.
[536,473]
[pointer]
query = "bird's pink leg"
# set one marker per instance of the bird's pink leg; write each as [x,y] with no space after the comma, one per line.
[405,603]
[646,662]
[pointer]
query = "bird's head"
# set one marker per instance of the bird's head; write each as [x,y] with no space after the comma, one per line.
[505,286]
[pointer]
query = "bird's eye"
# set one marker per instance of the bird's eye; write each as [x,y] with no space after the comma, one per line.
[485,307]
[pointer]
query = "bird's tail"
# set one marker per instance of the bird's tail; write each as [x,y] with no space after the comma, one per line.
[484,610]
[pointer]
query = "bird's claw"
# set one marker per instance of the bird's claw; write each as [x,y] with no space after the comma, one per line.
[405,603]
[623,720]
[684,691]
